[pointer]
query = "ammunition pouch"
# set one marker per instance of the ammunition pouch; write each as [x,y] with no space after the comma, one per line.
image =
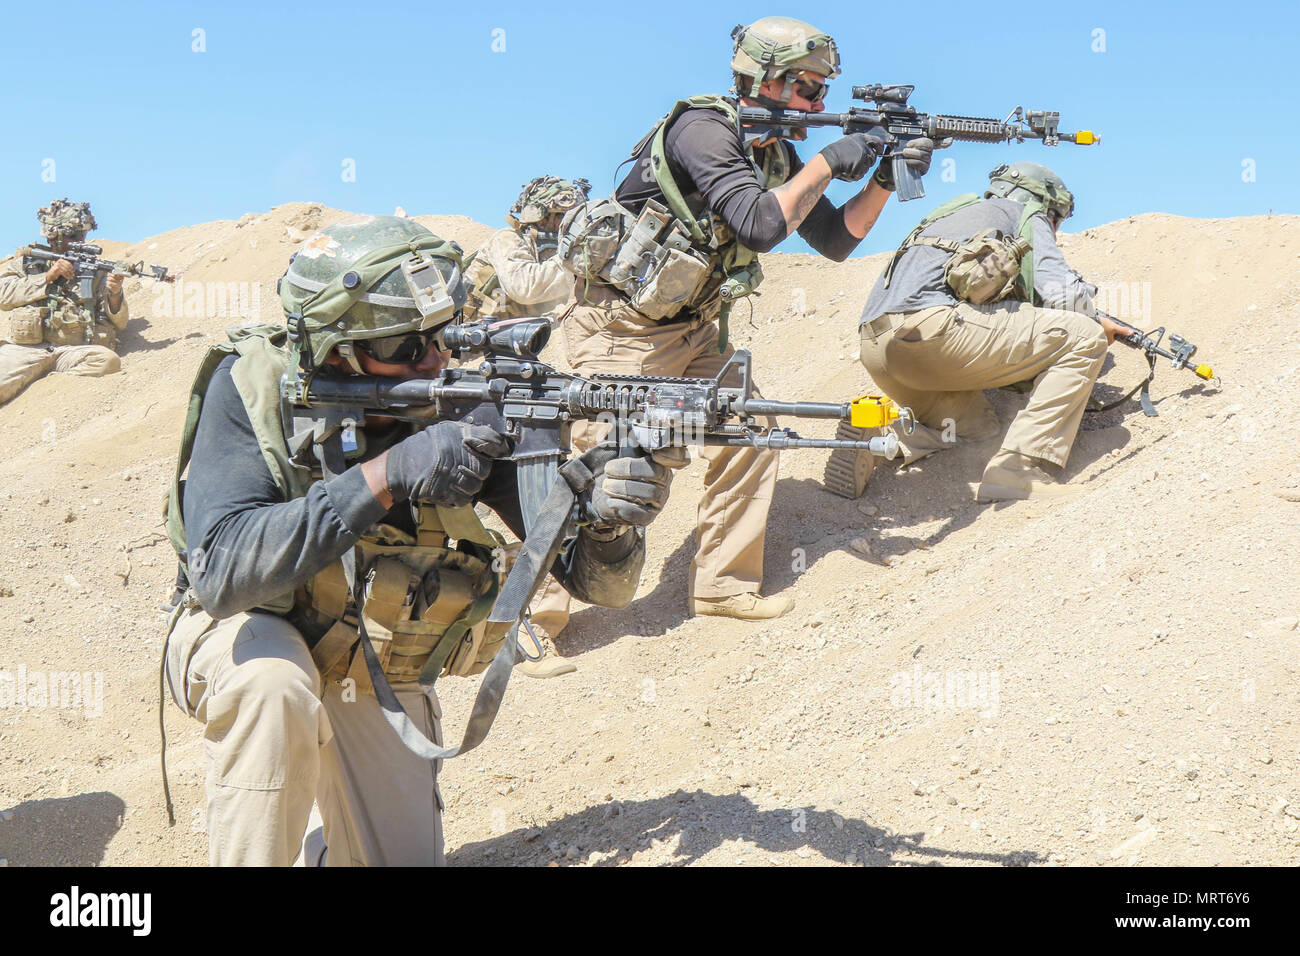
[69,324]
[425,607]
[648,257]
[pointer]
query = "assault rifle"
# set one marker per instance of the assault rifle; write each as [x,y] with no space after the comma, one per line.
[900,123]
[535,405]
[88,266]
[1150,343]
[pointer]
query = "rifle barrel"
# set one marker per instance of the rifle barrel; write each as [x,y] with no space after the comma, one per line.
[761,406]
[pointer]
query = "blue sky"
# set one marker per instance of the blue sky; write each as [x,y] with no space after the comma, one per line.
[157,136]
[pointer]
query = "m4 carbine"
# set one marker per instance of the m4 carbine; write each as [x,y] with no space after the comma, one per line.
[900,123]
[1179,353]
[86,262]
[535,405]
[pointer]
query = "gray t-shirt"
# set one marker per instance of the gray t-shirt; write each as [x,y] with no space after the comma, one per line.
[918,283]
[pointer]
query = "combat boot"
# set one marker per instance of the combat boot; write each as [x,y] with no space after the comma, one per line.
[551,664]
[744,607]
[1011,476]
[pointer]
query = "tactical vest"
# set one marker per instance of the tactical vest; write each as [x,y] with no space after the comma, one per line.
[666,259]
[426,595]
[59,318]
[962,253]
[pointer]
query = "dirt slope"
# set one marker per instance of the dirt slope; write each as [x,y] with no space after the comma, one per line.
[1110,678]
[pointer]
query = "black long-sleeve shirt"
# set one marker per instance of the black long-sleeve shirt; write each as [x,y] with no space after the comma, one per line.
[248,545]
[707,159]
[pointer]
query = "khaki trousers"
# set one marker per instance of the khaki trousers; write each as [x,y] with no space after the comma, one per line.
[605,334]
[939,360]
[20,365]
[274,742]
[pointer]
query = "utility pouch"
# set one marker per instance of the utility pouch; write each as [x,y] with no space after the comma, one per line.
[982,269]
[669,287]
[27,325]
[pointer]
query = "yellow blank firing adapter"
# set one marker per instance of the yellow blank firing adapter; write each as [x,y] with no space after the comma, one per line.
[1086,137]
[1204,371]
[873,411]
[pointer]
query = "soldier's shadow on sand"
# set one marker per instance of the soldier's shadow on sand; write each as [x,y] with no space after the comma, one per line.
[133,341]
[807,522]
[61,831]
[702,821]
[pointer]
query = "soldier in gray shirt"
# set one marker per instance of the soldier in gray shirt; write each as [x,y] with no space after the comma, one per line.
[929,349]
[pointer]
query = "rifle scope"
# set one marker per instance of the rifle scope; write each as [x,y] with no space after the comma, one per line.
[525,338]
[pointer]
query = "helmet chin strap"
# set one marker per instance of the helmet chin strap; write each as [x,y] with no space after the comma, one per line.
[349,354]
[774,103]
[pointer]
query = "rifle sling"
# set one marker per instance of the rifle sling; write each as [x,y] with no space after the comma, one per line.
[1144,387]
[535,558]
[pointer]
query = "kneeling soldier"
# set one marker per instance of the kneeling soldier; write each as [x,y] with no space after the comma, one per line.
[263,649]
[979,296]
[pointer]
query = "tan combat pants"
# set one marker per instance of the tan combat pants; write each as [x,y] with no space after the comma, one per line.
[938,361]
[605,334]
[20,365]
[274,742]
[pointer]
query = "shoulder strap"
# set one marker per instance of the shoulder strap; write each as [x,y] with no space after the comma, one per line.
[659,159]
[175,523]
[945,209]
[242,341]
[1025,230]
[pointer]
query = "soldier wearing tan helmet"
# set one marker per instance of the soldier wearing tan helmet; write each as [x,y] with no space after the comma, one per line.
[979,296]
[48,327]
[659,264]
[515,273]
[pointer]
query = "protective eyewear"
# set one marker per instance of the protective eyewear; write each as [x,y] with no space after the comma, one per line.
[812,92]
[398,349]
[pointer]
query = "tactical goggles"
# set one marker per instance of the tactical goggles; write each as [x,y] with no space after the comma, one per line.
[812,92]
[398,349]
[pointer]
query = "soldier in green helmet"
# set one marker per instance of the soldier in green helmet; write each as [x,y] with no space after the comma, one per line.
[284,508]
[47,327]
[979,296]
[659,264]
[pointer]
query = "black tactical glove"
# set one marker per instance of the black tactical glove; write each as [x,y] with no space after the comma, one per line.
[851,157]
[446,464]
[630,490]
[916,153]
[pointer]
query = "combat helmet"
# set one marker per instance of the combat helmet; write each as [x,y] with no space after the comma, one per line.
[62,220]
[1025,182]
[776,47]
[545,196]
[368,277]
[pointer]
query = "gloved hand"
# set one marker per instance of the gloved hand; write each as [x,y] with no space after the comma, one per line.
[630,490]
[916,153]
[445,464]
[851,157]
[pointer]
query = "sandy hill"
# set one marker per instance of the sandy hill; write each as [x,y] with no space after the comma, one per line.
[1110,678]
